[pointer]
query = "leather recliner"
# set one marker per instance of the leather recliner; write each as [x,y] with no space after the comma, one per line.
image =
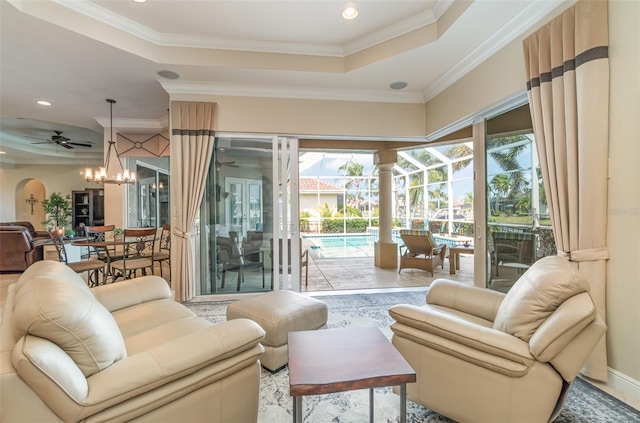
[20,247]
[483,356]
[120,352]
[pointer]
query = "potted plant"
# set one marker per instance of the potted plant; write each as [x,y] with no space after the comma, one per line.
[58,210]
[69,233]
[118,234]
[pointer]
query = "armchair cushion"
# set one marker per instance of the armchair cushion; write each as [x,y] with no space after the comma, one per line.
[538,293]
[71,318]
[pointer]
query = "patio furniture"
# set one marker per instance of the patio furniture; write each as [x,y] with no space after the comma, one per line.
[420,251]
[93,267]
[483,356]
[304,259]
[231,259]
[278,313]
[513,249]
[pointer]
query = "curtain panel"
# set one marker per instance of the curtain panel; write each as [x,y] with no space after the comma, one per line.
[192,141]
[567,69]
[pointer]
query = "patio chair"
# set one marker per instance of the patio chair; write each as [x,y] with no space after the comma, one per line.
[230,258]
[514,250]
[420,251]
[304,259]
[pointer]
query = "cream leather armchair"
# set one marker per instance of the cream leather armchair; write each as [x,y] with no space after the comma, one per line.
[120,352]
[483,356]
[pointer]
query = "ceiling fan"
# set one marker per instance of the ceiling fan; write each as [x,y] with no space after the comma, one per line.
[59,139]
[230,163]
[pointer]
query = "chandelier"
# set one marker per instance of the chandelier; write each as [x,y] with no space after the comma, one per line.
[99,176]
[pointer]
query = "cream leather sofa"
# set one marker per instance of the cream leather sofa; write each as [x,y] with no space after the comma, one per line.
[483,356]
[120,352]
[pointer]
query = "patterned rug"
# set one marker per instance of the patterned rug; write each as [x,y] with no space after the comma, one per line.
[585,403]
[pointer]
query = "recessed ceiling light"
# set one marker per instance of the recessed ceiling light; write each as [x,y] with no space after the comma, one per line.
[43,103]
[139,1]
[398,85]
[350,12]
[168,74]
[2,152]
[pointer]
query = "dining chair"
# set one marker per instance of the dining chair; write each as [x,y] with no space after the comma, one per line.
[138,251]
[93,267]
[163,254]
[231,259]
[100,233]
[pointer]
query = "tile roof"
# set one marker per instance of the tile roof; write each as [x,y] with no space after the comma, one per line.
[315,184]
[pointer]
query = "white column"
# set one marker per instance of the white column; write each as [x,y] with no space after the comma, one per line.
[386,206]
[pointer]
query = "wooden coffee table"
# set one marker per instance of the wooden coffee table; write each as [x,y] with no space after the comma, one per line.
[454,257]
[336,360]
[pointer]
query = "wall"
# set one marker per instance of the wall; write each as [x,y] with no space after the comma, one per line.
[502,76]
[623,228]
[62,179]
[314,117]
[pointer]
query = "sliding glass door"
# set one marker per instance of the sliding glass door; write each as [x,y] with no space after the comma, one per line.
[250,201]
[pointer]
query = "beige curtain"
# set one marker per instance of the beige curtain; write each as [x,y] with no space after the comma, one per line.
[567,69]
[192,139]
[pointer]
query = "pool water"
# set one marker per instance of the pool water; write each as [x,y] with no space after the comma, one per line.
[339,246]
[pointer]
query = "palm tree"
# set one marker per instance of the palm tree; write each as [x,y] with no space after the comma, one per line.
[500,185]
[355,173]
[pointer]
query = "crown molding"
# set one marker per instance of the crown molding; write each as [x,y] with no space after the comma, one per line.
[246,90]
[519,24]
[105,16]
[135,124]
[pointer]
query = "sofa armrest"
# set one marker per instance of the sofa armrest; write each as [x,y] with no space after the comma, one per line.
[564,324]
[130,292]
[140,380]
[480,302]
[467,340]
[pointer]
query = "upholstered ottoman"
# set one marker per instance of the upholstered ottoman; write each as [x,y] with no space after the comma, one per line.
[280,312]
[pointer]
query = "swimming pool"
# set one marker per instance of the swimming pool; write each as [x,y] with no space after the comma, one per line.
[340,245]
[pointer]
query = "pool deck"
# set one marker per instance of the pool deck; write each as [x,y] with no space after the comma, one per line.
[358,273]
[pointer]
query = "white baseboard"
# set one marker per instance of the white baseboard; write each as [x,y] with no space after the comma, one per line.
[623,383]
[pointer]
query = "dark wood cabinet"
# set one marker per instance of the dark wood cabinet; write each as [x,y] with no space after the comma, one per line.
[88,209]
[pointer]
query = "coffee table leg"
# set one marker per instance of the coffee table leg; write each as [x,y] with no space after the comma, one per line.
[370,405]
[297,409]
[403,403]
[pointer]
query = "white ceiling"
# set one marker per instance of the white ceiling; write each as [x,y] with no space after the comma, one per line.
[77,53]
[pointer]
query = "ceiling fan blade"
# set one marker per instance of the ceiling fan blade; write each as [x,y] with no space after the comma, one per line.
[65,145]
[78,143]
[36,138]
[43,142]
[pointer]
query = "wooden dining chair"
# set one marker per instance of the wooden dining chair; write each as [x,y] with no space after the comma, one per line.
[164,249]
[100,233]
[138,251]
[93,267]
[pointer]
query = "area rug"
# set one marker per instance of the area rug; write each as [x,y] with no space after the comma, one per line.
[585,403]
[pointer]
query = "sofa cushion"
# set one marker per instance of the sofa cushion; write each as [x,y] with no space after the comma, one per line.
[54,270]
[537,294]
[59,310]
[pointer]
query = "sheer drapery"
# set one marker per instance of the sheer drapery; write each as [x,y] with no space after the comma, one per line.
[192,140]
[567,68]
